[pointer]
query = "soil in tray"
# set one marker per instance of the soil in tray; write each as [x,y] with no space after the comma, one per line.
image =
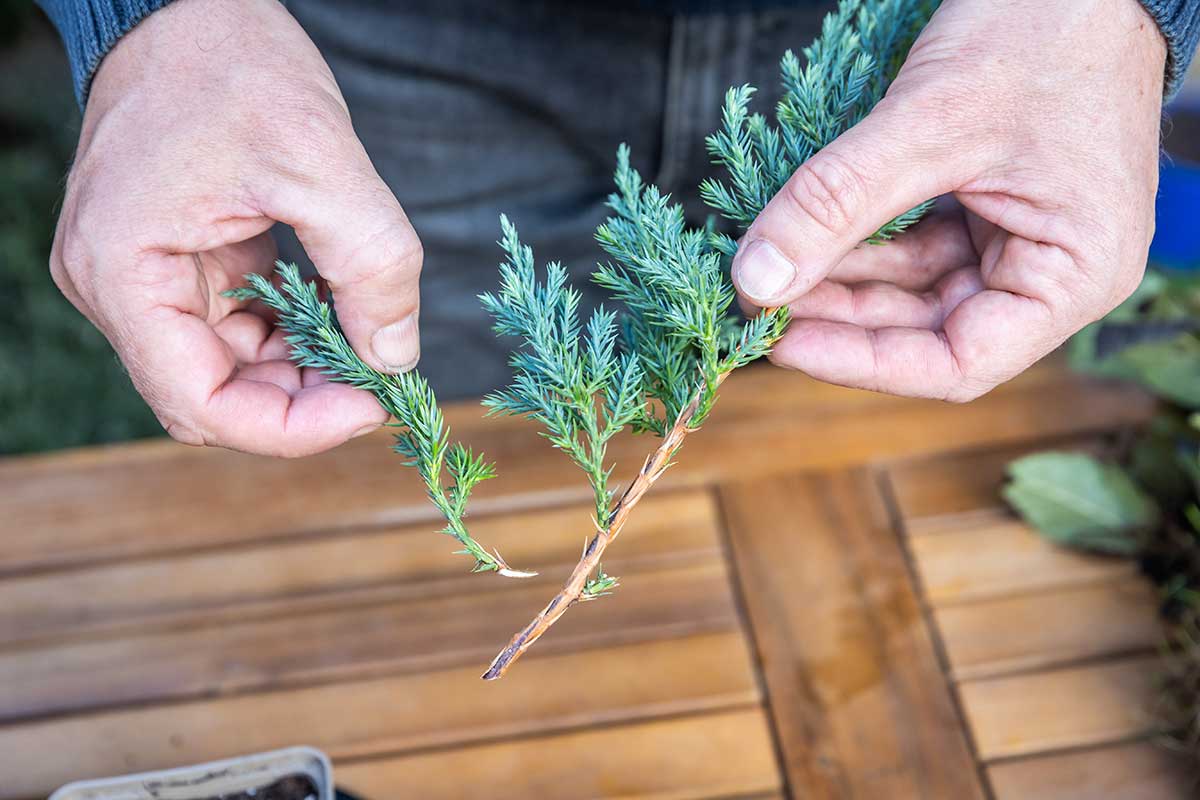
[293,787]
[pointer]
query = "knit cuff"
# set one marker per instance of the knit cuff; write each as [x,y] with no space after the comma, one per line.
[90,28]
[1179,21]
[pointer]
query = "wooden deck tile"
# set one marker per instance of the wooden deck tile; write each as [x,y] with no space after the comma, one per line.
[1135,771]
[1000,555]
[861,707]
[351,642]
[716,755]
[1049,628]
[361,718]
[1056,709]
[161,605]
[310,574]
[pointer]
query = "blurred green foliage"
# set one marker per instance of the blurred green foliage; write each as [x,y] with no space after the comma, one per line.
[60,384]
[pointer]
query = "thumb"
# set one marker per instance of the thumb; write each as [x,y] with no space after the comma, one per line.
[875,171]
[363,245]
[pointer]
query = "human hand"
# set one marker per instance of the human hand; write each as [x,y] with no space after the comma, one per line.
[1040,121]
[206,124]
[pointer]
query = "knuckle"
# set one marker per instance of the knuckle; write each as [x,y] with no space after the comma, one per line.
[308,128]
[828,190]
[392,253]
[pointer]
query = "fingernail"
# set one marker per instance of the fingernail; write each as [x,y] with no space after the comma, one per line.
[364,431]
[398,345]
[762,272]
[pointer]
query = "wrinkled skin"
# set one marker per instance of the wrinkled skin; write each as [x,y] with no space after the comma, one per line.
[1039,122]
[206,124]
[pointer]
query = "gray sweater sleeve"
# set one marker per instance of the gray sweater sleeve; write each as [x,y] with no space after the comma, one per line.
[1179,21]
[89,28]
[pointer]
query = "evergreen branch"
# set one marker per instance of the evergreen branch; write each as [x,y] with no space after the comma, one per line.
[672,282]
[450,472]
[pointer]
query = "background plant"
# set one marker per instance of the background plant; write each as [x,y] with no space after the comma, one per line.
[62,385]
[1144,500]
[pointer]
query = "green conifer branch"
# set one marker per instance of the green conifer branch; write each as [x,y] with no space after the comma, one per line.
[450,471]
[677,339]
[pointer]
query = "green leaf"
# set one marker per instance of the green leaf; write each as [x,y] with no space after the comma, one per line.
[1170,369]
[1080,501]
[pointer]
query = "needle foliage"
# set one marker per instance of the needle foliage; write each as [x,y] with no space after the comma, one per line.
[450,471]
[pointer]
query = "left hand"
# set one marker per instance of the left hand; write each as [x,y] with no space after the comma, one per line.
[1039,122]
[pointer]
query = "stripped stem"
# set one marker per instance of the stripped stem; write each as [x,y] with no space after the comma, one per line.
[573,591]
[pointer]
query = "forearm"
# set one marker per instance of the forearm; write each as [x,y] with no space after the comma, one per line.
[1179,21]
[89,29]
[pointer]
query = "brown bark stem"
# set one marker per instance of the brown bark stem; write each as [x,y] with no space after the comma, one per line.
[656,464]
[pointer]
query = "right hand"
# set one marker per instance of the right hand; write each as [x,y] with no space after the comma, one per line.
[206,124]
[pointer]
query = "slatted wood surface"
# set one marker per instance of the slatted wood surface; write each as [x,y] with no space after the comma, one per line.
[823,599]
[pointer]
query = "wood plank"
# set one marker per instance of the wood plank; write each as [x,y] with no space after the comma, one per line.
[1044,629]
[1000,555]
[1071,707]
[723,754]
[311,574]
[387,716]
[64,510]
[1135,771]
[354,642]
[861,707]
[965,482]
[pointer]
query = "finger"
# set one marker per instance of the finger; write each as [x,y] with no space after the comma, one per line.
[990,337]
[227,266]
[283,374]
[246,335]
[880,168]
[363,244]
[918,259]
[876,304]
[191,377]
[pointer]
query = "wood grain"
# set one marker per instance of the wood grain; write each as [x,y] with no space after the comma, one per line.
[60,510]
[861,706]
[351,642]
[1049,628]
[1135,771]
[965,482]
[723,754]
[999,555]
[1057,709]
[363,718]
[310,574]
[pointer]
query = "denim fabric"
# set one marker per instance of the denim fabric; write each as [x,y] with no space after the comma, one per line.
[470,108]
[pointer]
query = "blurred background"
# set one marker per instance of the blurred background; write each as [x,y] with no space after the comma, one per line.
[61,385]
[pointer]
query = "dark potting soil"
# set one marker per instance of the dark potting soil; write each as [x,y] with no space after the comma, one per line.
[293,787]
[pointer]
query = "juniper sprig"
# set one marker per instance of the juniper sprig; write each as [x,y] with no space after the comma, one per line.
[575,383]
[846,72]
[679,344]
[450,471]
